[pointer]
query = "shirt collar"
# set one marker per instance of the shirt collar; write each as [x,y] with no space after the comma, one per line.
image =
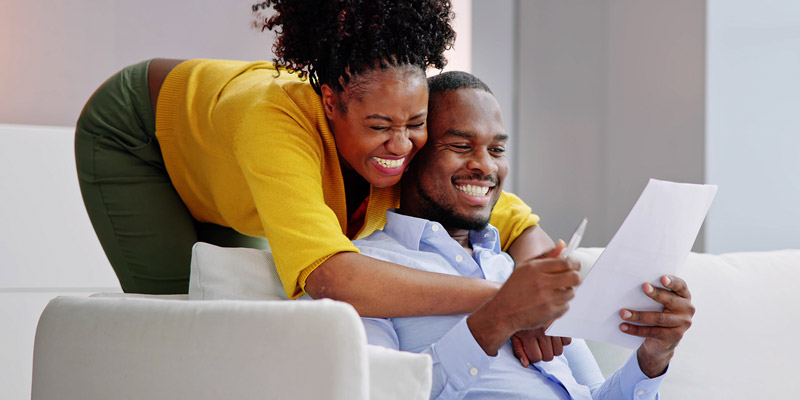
[405,229]
[408,231]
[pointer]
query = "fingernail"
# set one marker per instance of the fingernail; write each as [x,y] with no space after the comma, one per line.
[648,288]
[626,314]
[623,327]
[667,281]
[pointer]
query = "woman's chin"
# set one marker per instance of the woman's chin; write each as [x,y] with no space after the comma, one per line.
[385,181]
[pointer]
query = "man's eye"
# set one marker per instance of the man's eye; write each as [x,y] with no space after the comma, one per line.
[460,147]
[498,150]
[379,128]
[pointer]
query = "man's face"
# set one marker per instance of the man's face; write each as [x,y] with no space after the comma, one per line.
[457,177]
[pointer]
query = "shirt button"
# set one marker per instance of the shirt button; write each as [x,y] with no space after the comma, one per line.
[435,228]
[459,258]
[473,371]
[640,392]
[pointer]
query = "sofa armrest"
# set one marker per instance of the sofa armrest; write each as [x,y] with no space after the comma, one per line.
[100,348]
[399,374]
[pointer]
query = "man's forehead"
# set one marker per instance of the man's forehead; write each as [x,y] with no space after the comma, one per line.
[464,112]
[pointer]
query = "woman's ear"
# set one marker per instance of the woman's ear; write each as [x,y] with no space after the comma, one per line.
[330,100]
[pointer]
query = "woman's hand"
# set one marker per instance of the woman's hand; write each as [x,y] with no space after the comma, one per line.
[534,346]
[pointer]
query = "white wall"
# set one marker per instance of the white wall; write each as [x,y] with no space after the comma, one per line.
[494,61]
[753,126]
[610,95]
[56,53]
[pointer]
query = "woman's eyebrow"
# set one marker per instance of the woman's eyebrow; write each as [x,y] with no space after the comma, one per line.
[387,119]
[378,116]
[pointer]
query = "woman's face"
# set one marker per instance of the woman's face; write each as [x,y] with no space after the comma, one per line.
[379,122]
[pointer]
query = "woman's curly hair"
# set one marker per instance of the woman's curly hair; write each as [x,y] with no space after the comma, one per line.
[332,40]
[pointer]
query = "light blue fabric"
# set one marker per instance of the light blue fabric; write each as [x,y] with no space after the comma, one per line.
[461,370]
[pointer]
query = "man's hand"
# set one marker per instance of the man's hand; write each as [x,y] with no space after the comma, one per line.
[533,346]
[535,294]
[662,330]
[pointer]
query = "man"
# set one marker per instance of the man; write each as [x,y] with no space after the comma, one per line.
[455,181]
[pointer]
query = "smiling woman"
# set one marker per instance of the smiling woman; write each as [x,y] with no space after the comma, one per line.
[379,130]
[305,151]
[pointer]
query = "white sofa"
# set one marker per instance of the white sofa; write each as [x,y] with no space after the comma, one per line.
[159,347]
[741,345]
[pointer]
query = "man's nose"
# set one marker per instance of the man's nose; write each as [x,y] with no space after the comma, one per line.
[482,161]
[399,143]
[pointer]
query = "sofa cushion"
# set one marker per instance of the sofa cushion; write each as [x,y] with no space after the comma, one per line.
[739,345]
[227,273]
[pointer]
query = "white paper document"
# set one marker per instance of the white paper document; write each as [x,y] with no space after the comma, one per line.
[654,240]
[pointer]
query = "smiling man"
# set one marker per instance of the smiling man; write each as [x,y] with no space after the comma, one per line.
[442,226]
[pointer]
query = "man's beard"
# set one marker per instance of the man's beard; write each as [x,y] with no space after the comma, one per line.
[446,214]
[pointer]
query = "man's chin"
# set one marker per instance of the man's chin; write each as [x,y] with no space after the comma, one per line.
[467,222]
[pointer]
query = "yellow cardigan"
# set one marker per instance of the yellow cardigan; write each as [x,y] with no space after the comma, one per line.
[251,151]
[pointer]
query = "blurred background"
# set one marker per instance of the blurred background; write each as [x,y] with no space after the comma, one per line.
[598,96]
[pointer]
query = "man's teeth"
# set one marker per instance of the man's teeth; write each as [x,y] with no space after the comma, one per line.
[473,190]
[389,163]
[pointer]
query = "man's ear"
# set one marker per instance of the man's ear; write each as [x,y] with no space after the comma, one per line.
[330,101]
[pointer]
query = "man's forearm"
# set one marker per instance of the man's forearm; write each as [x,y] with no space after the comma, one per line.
[385,290]
[652,366]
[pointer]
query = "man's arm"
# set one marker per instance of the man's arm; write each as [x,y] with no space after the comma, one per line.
[533,296]
[626,383]
[641,376]
[533,345]
[458,361]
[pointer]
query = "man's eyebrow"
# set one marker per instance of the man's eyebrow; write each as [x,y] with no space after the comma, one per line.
[459,133]
[387,119]
[470,135]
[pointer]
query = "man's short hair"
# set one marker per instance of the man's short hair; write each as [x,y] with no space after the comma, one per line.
[455,80]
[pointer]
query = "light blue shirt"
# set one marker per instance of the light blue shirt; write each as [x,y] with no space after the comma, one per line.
[461,370]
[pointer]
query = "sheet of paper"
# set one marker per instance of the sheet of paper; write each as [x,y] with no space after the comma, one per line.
[654,240]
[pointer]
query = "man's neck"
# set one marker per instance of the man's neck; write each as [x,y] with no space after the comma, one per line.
[461,236]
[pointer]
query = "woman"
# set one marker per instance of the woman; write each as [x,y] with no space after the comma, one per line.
[173,152]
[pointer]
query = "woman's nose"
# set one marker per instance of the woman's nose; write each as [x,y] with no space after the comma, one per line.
[399,143]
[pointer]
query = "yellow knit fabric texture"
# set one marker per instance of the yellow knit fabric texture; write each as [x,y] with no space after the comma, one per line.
[250,149]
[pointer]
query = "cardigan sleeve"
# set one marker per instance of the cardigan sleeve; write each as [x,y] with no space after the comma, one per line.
[286,164]
[511,216]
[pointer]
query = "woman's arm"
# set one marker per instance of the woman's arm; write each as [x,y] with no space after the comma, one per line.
[533,243]
[386,290]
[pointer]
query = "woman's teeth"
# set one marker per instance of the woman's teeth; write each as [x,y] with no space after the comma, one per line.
[473,190]
[391,164]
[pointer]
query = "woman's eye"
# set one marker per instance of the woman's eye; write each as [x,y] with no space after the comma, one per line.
[417,126]
[379,128]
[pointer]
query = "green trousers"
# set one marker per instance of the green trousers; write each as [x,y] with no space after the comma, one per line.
[143,225]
